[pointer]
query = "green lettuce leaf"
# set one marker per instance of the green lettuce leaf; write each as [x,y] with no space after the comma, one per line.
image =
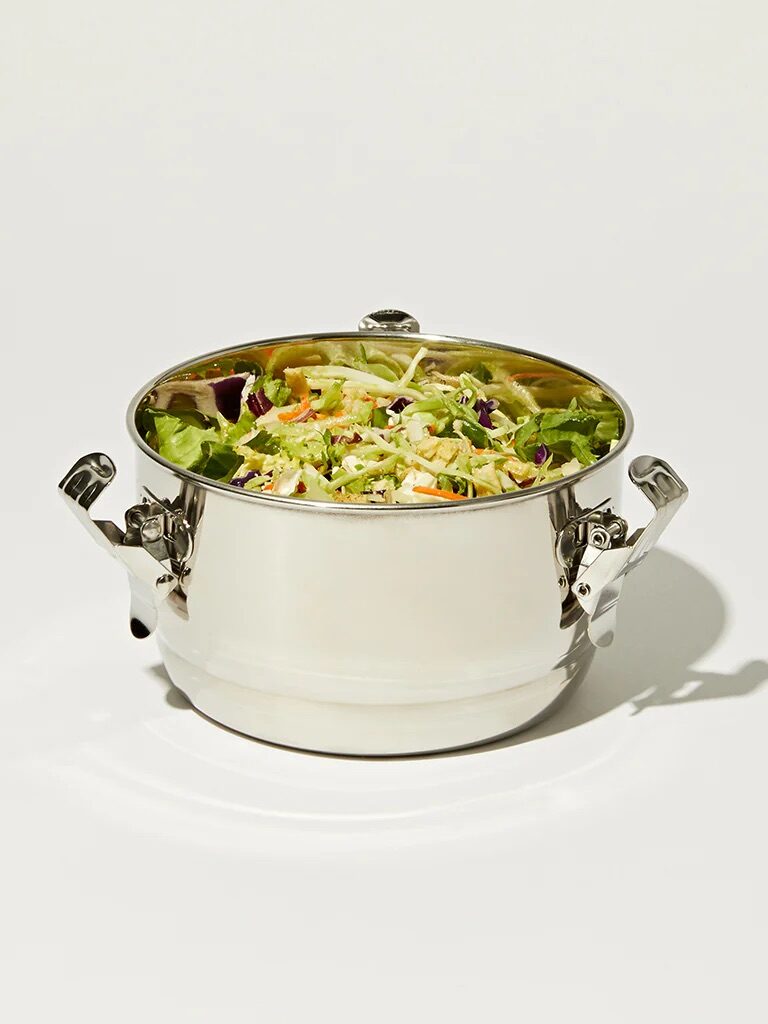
[218,461]
[569,444]
[570,433]
[179,440]
[276,390]
[264,442]
[244,425]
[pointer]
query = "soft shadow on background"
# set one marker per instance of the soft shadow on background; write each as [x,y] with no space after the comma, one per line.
[670,615]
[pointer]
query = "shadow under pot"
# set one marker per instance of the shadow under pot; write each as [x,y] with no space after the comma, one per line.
[377,542]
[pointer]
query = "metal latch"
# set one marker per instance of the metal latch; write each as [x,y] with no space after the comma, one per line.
[155,546]
[596,553]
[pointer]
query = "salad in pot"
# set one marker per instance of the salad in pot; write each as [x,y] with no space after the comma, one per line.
[380,421]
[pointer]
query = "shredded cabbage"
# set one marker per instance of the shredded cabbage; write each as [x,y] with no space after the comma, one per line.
[390,424]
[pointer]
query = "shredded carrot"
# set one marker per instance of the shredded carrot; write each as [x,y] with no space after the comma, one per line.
[436,492]
[336,415]
[286,417]
[267,487]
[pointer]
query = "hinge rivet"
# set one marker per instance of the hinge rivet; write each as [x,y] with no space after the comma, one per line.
[152,530]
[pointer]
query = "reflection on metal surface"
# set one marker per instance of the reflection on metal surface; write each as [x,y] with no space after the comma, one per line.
[389,320]
[593,549]
[564,509]
[156,546]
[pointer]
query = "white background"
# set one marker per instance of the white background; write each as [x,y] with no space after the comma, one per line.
[586,179]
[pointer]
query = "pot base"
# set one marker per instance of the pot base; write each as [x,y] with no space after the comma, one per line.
[372,730]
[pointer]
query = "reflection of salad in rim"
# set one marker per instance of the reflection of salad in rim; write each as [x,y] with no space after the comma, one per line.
[374,423]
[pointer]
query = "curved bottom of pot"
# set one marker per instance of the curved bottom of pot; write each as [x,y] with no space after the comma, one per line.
[380,730]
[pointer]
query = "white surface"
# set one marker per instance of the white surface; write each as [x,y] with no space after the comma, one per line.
[589,179]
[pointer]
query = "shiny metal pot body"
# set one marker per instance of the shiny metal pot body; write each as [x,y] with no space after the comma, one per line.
[364,629]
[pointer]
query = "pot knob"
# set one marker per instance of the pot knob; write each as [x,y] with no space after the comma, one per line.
[390,321]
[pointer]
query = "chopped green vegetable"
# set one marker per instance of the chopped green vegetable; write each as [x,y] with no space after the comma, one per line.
[276,390]
[218,462]
[380,418]
[476,434]
[263,441]
[330,399]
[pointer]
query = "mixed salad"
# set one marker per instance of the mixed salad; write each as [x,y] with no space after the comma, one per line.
[382,422]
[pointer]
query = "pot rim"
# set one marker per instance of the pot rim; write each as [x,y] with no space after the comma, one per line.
[353,508]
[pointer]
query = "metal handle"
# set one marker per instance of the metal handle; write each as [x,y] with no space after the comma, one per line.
[597,554]
[390,321]
[155,546]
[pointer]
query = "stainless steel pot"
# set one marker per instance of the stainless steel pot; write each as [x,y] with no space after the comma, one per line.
[375,629]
